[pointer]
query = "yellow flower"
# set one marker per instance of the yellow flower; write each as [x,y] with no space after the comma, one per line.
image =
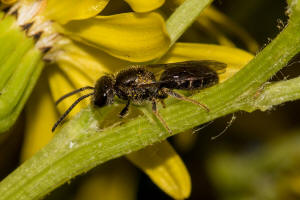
[8,2]
[82,45]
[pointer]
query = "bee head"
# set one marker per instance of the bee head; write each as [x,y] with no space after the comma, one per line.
[104,91]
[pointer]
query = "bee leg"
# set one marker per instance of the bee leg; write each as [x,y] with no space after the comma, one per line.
[183,98]
[155,111]
[162,103]
[125,109]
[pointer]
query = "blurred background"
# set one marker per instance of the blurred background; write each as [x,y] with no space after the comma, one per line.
[256,157]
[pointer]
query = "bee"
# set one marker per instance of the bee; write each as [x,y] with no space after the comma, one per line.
[139,84]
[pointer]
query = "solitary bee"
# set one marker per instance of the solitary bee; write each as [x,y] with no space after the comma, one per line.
[139,84]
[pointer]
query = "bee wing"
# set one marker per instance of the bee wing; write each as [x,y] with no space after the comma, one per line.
[216,66]
[157,83]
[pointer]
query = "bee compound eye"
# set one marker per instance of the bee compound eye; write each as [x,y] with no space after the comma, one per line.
[104,91]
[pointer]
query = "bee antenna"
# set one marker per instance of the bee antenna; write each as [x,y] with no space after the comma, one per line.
[73,92]
[69,110]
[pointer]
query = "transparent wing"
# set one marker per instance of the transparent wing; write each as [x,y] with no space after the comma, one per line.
[216,66]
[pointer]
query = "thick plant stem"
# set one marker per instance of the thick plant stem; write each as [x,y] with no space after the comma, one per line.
[81,144]
[20,66]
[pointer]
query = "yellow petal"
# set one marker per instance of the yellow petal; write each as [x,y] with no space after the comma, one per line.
[115,180]
[77,77]
[145,5]
[234,58]
[90,61]
[163,165]
[40,117]
[60,84]
[67,10]
[130,36]
[8,2]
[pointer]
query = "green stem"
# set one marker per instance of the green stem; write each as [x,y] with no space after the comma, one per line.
[82,144]
[275,94]
[183,17]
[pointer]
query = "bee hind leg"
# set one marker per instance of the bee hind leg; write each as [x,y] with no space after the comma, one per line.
[155,111]
[183,98]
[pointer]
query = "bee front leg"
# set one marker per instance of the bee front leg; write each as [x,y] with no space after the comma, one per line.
[155,111]
[125,109]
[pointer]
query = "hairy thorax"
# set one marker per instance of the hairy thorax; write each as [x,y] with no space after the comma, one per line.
[136,84]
